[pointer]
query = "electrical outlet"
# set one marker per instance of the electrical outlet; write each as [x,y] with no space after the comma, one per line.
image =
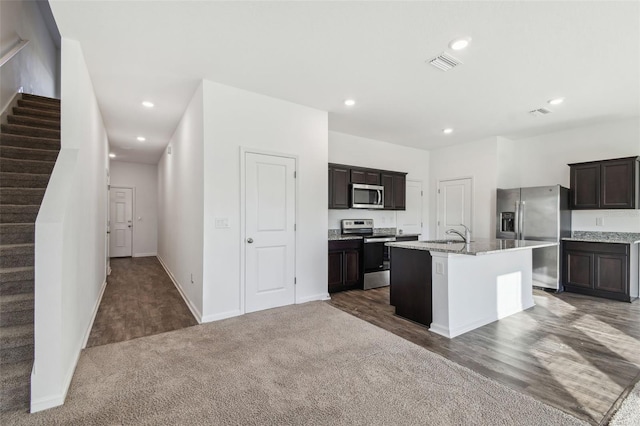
[439,268]
[599,221]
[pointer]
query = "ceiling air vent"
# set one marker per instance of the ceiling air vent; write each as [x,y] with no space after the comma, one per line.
[445,62]
[540,112]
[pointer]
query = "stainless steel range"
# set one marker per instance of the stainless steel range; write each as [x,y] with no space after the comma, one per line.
[376,254]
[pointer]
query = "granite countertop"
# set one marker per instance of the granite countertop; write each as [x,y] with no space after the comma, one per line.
[475,248]
[605,237]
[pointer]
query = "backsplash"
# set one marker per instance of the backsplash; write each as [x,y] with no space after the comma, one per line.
[381,218]
[612,220]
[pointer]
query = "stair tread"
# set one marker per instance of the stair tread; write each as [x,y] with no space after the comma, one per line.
[42,138]
[9,126]
[10,225]
[24,174]
[16,269]
[14,189]
[27,149]
[30,96]
[10,246]
[30,161]
[12,298]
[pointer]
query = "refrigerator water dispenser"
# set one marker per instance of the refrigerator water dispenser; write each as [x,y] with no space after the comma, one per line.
[507,222]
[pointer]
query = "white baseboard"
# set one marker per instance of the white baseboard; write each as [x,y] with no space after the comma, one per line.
[221,316]
[194,311]
[46,403]
[313,298]
[145,254]
[85,339]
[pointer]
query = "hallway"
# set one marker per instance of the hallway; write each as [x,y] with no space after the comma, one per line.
[140,300]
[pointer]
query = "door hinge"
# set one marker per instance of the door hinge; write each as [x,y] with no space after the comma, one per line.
[295,174]
[438,223]
[295,280]
[438,191]
[295,227]
[421,193]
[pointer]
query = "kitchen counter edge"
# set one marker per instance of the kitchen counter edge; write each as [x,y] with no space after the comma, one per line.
[475,248]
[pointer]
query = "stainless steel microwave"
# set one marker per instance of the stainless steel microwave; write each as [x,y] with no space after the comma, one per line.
[367,196]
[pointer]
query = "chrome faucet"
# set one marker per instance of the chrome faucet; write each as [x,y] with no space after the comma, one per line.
[467,233]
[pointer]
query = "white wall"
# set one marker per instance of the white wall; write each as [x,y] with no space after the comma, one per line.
[143,178]
[70,237]
[357,151]
[544,161]
[180,204]
[35,67]
[236,118]
[536,161]
[478,160]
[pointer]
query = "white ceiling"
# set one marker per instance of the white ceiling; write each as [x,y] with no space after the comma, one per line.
[320,53]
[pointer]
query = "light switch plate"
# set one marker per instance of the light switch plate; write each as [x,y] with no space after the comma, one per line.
[222,223]
[439,268]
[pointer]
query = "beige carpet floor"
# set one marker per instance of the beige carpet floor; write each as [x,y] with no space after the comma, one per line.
[304,364]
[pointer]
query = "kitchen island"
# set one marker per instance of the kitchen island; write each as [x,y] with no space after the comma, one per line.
[453,287]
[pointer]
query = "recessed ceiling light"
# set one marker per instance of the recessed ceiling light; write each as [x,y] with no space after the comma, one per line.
[447,131]
[349,102]
[112,155]
[141,138]
[460,43]
[555,101]
[148,104]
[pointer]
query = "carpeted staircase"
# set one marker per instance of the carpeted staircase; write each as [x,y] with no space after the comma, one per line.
[29,146]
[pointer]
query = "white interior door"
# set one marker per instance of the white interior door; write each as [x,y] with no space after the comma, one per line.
[270,243]
[454,205]
[409,221]
[121,225]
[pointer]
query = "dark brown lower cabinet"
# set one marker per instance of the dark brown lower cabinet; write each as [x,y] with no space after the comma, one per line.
[346,268]
[607,270]
[410,284]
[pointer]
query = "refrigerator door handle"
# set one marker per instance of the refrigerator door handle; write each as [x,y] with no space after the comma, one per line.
[522,220]
[517,220]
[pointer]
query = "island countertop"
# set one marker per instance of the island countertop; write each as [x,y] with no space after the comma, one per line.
[474,248]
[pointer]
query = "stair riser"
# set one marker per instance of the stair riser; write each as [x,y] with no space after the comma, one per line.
[15,398]
[26,237]
[18,217]
[27,154]
[30,131]
[8,319]
[16,261]
[17,354]
[12,165]
[20,141]
[20,196]
[41,113]
[37,104]
[41,99]
[16,287]
[24,181]
[34,122]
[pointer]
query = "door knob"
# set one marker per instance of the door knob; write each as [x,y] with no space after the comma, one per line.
[250,240]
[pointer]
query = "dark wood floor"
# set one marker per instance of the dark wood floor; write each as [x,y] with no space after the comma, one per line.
[577,353]
[140,300]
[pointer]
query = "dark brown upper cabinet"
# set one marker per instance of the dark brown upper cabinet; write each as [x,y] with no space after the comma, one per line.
[339,187]
[341,176]
[607,184]
[368,177]
[395,190]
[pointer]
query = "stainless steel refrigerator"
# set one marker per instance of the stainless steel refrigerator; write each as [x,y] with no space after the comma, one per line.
[538,213]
